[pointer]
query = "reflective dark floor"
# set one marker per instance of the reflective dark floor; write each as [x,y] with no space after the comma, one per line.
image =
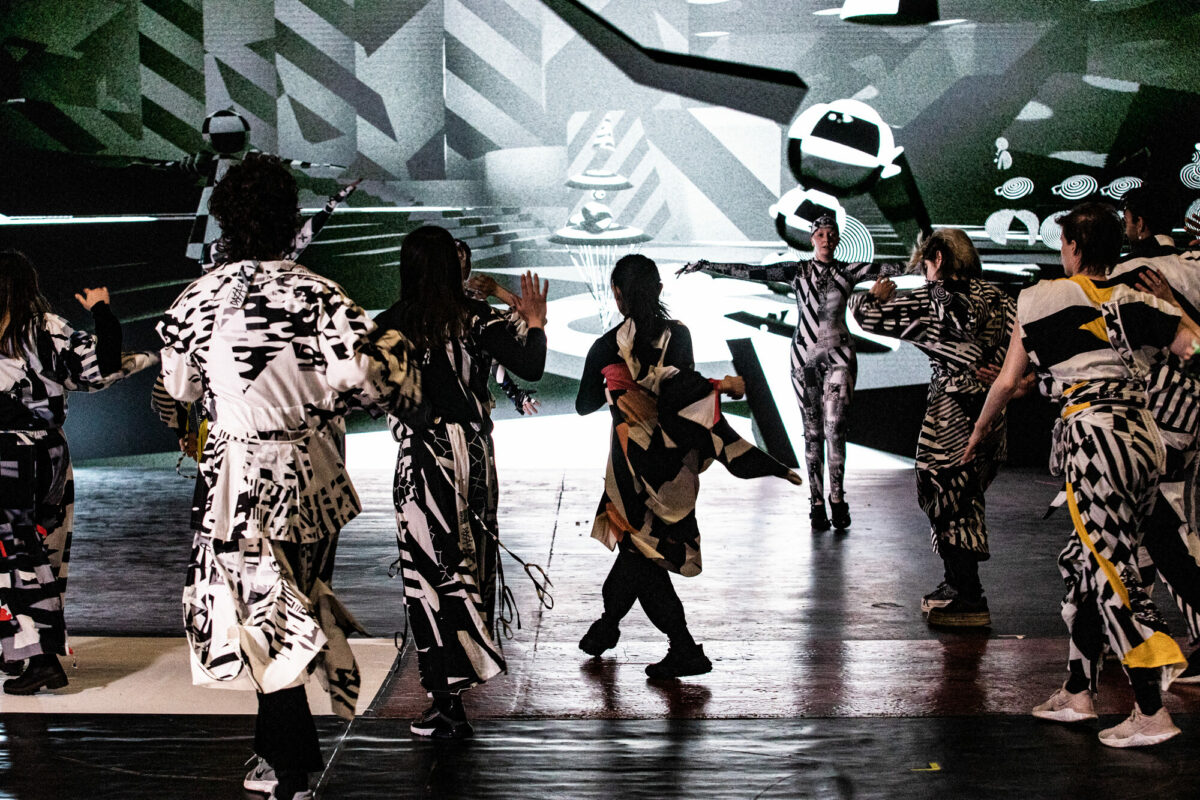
[826,681]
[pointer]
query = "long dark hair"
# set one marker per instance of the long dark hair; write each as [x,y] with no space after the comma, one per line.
[23,303]
[433,307]
[255,204]
[636,276]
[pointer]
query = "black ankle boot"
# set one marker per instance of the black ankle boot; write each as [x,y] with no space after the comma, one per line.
[43,672]
[600,637]
[841,514]
[818,518]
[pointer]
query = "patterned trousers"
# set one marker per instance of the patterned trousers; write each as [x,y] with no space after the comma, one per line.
[824,392]
[1113,458]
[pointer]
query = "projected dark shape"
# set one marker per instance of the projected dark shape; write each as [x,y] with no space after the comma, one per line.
[770,93]
[890,12]
[842,148]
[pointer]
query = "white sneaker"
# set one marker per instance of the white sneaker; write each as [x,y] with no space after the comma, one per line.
[1140,730]
[261,777]
[1064,706]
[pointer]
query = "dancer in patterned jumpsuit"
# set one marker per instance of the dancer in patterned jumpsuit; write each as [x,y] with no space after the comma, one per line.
[963,324]
[667,428]
[277,353]
[445,489]
[1091,346]
[824,365]
[41,359]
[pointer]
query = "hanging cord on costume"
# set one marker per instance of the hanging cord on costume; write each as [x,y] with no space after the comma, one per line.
[394,569]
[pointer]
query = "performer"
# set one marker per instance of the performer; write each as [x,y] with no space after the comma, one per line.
[1170,544]
[824,366]
[667,429]
[963,324]
[41,359]
[1089,345]
[276,353]
[445,489]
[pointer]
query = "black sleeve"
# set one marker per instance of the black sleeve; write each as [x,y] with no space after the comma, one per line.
[591,395]
[526,360]
[108,339]
[679,349]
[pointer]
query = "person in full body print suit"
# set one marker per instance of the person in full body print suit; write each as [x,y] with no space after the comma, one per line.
[824,365]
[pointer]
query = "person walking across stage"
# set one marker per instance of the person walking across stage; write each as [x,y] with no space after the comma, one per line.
[824,365]
[667,429]
[445,487]
[41,359]
[963,324]
[277,353]
[1170,547]
[1088,343]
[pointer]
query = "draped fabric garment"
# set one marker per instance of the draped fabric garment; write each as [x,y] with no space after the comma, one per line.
[652,476]
[961,326]
[37,488]
[445,493]
[1092,345]
[824,366]
[279,355]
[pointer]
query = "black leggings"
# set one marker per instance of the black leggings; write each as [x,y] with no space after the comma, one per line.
[285,734]
[635,577]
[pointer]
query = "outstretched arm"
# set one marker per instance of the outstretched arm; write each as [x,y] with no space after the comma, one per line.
[312,226]
[782,272]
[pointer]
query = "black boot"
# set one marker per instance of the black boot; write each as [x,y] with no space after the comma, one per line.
[817,517]
[841,514]
[600,637]
[43,672]
[13,668]
[681,661]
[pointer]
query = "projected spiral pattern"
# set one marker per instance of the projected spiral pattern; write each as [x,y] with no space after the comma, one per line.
[1015,188]
[999,223]
[1191,222]
[1190,174]
[1052,231]
[1076,187]
[856,243]
[1117,189]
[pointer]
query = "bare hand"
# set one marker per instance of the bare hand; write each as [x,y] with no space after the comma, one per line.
[1025,385]
[883,289]
[91,297]
[532,406]
[793,478]
[694,266]
[734,386]
[987,375]
[1151,282]
[483,287]
[972,445]
[531,305]
[637,406]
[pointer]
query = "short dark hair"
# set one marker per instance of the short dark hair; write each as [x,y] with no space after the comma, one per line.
[1096,230]
[1152,205]
[256,206]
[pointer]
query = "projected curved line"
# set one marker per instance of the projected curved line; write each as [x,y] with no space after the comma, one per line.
[770,93]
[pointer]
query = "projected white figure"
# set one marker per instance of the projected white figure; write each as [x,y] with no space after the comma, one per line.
[1003,159]
[1076,187]
[594,238]
[1190,174]
[842,148]
[1015,188]
[1117,189]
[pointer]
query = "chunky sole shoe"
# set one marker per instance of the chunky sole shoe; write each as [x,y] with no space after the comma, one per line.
[960,613]
[1064,706]
[436,725]
[840,515]
[940,597]
[678,664]
[818,520]
[1140,730]
[599,637]
[41,673]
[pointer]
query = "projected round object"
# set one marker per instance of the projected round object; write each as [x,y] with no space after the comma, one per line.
[855,243]
[227,131]
[1014,188]
[1117,189]
[998,225]
[599,179]
[1076,187]
[1052,231]
[841,148]
[796,211]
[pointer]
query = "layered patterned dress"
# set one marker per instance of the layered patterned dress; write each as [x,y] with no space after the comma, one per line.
[37,490]
[652,477]
[961,326]
[446,493]
[278,354]
[824,366]
[1092,345]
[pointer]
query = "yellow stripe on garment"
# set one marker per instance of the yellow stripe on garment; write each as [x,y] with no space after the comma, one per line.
[1069,410]
[1159,649]
[1093,292]
[1071,389]
[1096,328]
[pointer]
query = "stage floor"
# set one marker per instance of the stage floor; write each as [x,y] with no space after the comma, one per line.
[826,683]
